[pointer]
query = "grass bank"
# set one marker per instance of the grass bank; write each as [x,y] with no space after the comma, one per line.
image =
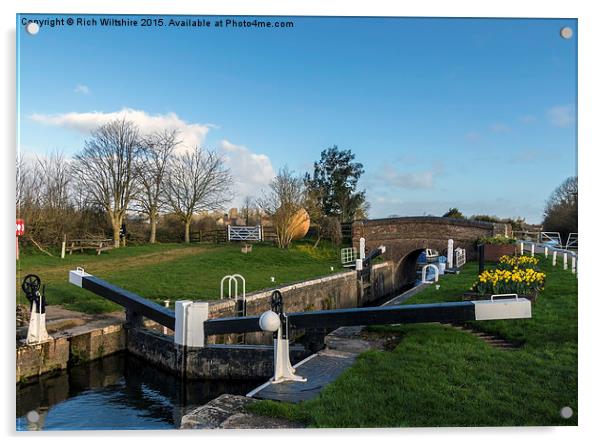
[439,376]
[174,271]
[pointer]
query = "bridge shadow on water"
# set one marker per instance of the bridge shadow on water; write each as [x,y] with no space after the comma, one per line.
[117,392]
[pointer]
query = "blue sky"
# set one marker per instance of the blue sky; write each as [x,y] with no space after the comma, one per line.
[478,114]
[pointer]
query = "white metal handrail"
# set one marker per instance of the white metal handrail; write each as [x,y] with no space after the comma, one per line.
[572,241]
[233,278]
[550,236]
[424,271]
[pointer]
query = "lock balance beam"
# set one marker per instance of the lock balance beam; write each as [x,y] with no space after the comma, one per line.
[494,309]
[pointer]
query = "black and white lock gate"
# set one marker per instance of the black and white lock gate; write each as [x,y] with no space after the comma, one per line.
[191,322]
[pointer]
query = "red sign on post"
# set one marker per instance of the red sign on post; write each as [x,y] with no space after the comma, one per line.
[20,227]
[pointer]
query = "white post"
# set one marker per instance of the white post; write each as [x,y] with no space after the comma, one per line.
[63,245]
[228,232]
[522,247]
[574,264]
[190,323]
[554,255]
[36,332]
[283,370]
[532,249]
[362,248]
[450,253]
[564,261]
[545,251]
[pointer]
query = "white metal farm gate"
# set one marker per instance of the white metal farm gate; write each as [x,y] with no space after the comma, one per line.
[245,233]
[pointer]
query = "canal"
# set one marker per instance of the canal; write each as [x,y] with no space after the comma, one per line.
[119,392]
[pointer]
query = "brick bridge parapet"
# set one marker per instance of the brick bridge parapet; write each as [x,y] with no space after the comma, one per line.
[406,237]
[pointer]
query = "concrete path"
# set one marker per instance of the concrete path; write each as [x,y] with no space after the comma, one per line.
[342,348]
[319,369]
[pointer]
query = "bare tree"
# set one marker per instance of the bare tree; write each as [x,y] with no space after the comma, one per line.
[150,168]
[282,203]
[561,210]
[105,169]
[55,181]
[247,209]
[43,196]
[196,181]
[25,185]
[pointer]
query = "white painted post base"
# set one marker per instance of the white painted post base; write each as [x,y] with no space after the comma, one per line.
[532,249]
[554,255]
[450,253]
[522,248]
[564,261]
[359,264]
[545,251]
[574,264]
[190,323]
[283,370]
[36,333]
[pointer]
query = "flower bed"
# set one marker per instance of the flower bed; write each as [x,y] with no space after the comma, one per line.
[524,282]
[508,262]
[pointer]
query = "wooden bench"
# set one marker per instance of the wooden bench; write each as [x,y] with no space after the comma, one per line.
[97,244]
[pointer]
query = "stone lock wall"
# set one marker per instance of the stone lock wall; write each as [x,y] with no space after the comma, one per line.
[57,353]
[237,362]
[223,358]
[337,291]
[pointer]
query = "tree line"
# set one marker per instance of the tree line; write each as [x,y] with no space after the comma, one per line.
[120,171]
[117,171]
[560,212]
[329,195]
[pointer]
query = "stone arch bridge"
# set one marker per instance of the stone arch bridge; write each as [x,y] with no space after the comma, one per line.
[406,237]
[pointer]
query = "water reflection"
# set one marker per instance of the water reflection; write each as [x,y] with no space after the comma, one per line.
[117,392]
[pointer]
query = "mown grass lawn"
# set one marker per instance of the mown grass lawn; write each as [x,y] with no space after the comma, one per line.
[439,376]
[174,271]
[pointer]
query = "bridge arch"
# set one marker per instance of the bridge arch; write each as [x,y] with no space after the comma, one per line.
[406,237]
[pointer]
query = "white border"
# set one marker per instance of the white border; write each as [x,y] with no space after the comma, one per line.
[590,38]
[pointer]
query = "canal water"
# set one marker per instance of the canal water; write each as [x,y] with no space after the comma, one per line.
[119,392]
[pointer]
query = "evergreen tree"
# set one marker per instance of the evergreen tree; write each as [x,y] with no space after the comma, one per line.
[334,185]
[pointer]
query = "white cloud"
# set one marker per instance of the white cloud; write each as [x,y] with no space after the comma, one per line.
[388,178]
[528,119]
[499,127]
[81,89]
[472,136]
[252,172]
[527,156]
[561,115]
[534,156]
[191,134]
[407,180]
[502,207]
